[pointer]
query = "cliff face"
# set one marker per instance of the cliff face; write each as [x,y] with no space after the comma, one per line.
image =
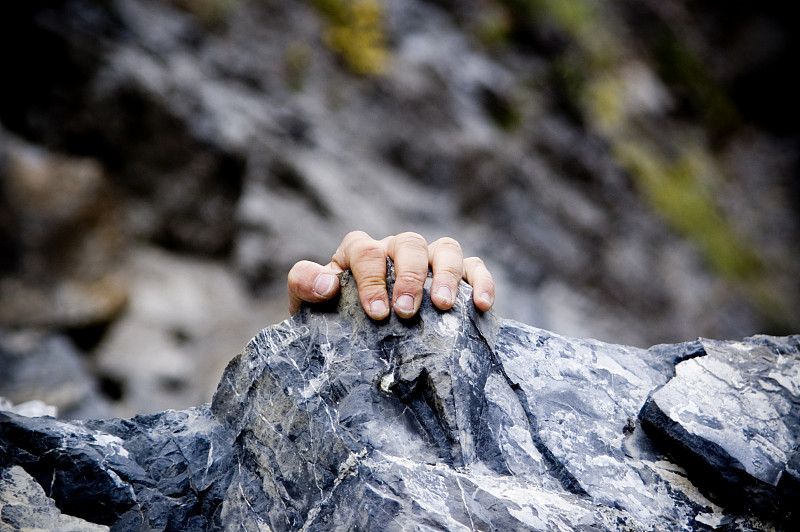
[625,167]
[627,170]
[454,420]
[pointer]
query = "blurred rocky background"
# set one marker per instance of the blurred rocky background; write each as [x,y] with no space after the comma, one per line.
[628,170]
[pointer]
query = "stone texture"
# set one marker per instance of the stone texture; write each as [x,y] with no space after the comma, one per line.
[47,367]
[450,421]
[733,414]
[60,239]
[24,505]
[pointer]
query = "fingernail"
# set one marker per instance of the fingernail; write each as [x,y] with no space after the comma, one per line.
[404,303]
[444,293]
[378,308]
[324,284]
[487,298]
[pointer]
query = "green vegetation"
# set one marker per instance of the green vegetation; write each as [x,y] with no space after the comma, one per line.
[494,27]
[677,190]
[680,179]
[677,66]
[581,22]
[356,32]
[603,100]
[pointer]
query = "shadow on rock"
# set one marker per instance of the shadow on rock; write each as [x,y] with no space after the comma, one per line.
[452,420]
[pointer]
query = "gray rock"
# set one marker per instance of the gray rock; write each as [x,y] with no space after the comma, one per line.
[34,408]
[733,415]
[47,367]
[60,239]
[450,421]
[24,505]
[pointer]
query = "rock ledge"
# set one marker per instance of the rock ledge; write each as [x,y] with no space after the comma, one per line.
[451,421]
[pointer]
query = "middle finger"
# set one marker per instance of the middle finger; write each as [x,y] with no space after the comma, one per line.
[409,251]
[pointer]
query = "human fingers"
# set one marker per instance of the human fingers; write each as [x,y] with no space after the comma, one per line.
[409,251]
[312,282]
[365,257]
[477,275]
[447,263]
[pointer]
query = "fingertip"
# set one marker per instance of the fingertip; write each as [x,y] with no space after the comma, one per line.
[476,274]
[377,309]
[325,285]
[311,282]
[406,305]
[374,298]
[296,282]
[483,300]
[443,297]
[301,270]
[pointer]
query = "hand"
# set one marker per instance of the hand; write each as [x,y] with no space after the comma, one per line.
[366,259]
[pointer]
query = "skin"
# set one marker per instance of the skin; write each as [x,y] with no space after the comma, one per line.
[365,257]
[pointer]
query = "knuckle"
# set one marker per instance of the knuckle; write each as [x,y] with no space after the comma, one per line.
[411,239]
[355,235]
[366,251]
[350,241]
[448,244]
[372,292]
[370,281]
[411,278]
[454,272]
[474,262]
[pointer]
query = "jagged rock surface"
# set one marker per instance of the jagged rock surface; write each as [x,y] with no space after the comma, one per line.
[24,505]
[450,421]
[733,415]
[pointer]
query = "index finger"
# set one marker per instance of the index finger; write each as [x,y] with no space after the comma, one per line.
[365,257]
